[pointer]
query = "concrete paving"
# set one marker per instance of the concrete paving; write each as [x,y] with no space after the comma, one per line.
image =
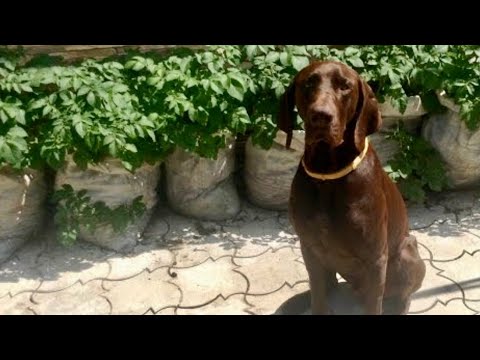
[248,265]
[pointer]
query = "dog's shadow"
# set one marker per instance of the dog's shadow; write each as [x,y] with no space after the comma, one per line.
[341,301]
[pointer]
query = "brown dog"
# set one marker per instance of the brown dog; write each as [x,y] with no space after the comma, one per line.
[350,217]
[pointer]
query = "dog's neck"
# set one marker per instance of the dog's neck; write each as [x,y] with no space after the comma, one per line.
[322,158]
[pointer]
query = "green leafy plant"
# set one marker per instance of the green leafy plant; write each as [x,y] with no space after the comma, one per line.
[139,107]
[416,167]
[199,97]
[455,69]
[13,144]
[76,212]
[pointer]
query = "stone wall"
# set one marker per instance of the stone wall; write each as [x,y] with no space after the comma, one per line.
[73,52]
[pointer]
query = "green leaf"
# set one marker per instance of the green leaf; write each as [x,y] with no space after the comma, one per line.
[3,116]
[239,80]
[139,131]
[120,88]
[119,100]
[138,66]
[16,88]
[46,110]
[127,165]
[349,51]
[131,148]
[211,67]
[215,87]
[250,50]
[77,82]
[91,98]
[285,58]
[299,62]
[130,64]
[112,148]
[26,87]
[17,131]
[146,122]
[6,153]
[153,80]
[272,57]
[108,139]
[18,143]
[80,130]
[20,116]
[130,131]
[356,62]
[151,134]
[38,104]
[235,92]
[83,90]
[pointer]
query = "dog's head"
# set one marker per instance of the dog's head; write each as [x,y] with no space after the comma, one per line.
[329,96]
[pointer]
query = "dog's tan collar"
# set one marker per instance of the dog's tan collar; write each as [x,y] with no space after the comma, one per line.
[341,173]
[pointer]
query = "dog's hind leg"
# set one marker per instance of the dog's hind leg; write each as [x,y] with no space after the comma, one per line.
[372,286]
[405,275]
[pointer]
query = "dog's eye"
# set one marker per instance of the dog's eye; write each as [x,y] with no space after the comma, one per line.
[345,86]
[310,83]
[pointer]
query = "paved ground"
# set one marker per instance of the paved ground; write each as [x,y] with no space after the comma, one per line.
[250,265]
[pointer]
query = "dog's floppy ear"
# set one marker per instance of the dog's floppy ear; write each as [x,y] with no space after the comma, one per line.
[286,115]
[369,119]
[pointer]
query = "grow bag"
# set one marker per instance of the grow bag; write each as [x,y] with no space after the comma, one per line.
[458,146]
[111,183]
[269,173]
[203,188]
[22,200]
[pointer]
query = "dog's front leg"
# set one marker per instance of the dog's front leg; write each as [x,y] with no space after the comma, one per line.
[321,280]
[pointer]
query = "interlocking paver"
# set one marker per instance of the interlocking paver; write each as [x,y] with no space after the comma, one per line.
[254,238]
[166,311]
[421,217]
[453,307]
[270,271]
[473,305]
[233,305]
[20,273]
[435,288]
[447,241]
[269,303]
[459,200]
[145,291]
[423,251]
[144,257]
[251,264]
[76,300]
[17,305]
[192,242]
[61,267]
[465,271]
[203,283]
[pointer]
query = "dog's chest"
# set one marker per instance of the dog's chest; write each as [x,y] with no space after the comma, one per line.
[327,218]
